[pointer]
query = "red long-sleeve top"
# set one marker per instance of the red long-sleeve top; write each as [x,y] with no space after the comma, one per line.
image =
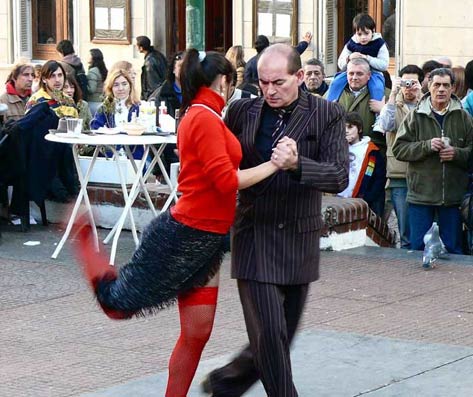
[209,155]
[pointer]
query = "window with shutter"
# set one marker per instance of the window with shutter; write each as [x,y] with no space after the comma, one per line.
[24,32]
[328,32]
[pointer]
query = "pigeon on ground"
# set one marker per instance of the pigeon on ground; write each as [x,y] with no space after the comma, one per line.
[434,247]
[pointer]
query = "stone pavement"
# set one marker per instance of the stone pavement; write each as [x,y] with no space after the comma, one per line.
[375,324]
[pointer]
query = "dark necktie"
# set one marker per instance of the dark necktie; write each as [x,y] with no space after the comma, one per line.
[280,125]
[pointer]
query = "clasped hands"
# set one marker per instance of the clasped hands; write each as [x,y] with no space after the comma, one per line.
[285,154]
[446,152]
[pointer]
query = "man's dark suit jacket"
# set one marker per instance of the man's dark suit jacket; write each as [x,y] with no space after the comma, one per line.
[276,232]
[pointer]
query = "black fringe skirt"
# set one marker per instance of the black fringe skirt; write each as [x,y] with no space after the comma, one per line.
[171,259]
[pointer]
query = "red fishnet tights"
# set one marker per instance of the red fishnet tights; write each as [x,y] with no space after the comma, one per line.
[196,313]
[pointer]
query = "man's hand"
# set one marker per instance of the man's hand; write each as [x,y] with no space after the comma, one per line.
[447,153]
[285,154]
[396,86]
[436,144]
[376,106]
[307,37]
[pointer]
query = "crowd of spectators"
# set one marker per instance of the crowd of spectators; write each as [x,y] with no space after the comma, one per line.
[383,113]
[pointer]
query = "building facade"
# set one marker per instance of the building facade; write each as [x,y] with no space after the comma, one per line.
[417,30]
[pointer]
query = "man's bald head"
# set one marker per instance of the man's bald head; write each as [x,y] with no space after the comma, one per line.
[286,51]
[280,74]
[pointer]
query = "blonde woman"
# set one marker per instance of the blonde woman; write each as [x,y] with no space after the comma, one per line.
[236,56]
[120,101]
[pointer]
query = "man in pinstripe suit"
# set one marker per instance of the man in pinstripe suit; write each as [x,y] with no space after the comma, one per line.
[275,239]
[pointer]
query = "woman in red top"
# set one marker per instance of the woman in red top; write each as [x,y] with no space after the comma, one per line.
[181,250]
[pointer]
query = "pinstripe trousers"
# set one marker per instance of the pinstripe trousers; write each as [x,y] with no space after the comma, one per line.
[272,313]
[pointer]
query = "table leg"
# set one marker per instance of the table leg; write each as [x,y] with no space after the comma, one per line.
[128,203]
[173,192]
[143,186]
[143,178]
[125,192]
[82,195]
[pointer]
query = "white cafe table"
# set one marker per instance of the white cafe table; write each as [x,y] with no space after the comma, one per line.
[156,143]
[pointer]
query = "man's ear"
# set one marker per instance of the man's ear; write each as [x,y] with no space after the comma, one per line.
[300,76]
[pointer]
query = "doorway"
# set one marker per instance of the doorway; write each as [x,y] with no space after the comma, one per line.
[201,24]
[52,21]
[382,11]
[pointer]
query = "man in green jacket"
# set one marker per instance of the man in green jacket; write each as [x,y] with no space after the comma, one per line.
[436,139]
[356,98]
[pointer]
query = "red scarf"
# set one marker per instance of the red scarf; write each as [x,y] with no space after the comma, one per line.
[11,90]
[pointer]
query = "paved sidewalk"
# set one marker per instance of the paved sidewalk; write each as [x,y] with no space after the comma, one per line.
[375,324]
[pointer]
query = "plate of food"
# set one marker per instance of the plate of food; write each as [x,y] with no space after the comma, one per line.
[107,130]
[68,135]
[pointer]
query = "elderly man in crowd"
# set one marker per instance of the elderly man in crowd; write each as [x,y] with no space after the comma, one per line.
[314,75]
[436,140]
[427,67]
[17,90]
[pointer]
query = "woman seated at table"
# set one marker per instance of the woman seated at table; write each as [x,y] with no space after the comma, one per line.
[119,104]
[72,90]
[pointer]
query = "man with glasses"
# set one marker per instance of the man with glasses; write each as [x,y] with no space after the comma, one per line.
[436,140]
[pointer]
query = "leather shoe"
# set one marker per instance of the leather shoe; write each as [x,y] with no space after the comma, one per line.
[206,386]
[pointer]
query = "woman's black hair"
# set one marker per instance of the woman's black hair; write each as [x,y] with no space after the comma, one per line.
[469,75]
[196,74]
[98,62]
[172,62]
[77,90]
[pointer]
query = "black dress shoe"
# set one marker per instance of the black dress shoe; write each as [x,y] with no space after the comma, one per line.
[206,386]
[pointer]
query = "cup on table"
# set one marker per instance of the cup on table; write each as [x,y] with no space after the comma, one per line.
[74,126]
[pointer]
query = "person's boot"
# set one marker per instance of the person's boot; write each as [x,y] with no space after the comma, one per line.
[95,266]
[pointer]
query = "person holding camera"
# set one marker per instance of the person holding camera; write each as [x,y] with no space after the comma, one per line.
[405,95]
[436,140]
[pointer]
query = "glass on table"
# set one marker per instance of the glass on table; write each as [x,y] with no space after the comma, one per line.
[74,126]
